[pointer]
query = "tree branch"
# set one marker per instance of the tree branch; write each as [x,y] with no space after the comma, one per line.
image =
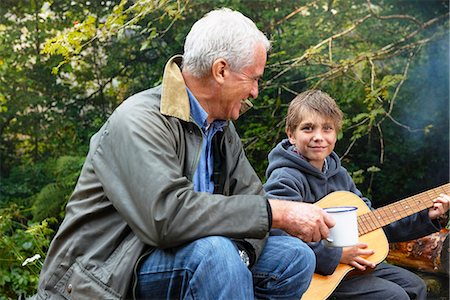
[405,17]
[293,13]
[311,50]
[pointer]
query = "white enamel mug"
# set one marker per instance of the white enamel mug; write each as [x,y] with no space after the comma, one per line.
[345,232]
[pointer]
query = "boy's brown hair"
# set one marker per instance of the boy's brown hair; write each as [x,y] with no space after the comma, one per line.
[313,101]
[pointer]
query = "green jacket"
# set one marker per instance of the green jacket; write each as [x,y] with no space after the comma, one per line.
[135,193]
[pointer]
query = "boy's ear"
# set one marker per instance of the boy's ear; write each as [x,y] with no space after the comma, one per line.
[290,136]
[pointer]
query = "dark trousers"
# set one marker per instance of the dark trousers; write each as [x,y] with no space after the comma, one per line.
[385,282]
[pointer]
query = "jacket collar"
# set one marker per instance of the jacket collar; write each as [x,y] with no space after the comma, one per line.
[174,97]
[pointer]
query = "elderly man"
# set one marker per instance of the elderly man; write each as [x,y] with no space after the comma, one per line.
[168,206]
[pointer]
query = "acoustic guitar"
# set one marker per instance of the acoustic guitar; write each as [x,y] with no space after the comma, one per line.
[369,231]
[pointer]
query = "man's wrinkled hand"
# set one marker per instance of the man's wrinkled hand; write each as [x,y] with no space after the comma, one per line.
[308,222]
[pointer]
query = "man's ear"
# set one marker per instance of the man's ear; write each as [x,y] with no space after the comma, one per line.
[220,69]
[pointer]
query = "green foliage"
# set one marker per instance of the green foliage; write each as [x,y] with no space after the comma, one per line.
[23,182]
[71,42]
[96,48]
[23,243]
[52,198]
[123,20]
[22,251]
[357,176]
[66,65]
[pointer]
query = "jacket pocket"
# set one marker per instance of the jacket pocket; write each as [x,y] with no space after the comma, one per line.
[79,283]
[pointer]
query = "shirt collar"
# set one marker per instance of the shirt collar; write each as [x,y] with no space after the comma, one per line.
[197,112]
[200,116]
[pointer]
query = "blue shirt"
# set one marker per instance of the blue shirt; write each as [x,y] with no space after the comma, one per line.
[203,181]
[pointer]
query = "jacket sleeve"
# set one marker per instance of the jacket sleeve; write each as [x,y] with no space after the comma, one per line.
[244,181]
[139,164]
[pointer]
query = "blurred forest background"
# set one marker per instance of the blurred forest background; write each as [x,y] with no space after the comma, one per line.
[65,65]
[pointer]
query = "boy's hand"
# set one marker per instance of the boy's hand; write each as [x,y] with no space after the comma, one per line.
[353,256]
[440,206]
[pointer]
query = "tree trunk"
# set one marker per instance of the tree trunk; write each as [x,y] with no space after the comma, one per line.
[427,254]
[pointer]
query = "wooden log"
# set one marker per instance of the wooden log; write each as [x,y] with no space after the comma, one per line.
[427,254]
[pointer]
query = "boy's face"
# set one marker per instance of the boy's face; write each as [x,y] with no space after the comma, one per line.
[315,138]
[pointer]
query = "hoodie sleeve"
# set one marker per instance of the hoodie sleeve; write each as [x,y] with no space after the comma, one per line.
[412,227]
[283,185]
[327,258]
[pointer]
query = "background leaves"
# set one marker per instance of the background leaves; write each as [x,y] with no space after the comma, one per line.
[66,65]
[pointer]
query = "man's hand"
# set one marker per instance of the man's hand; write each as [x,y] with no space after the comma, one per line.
[305,221]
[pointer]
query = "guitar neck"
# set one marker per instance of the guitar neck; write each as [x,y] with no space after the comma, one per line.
[393,212]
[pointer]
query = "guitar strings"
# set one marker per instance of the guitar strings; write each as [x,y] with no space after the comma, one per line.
[380,217]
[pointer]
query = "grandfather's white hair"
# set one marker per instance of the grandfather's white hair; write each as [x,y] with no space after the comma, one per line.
[221,33]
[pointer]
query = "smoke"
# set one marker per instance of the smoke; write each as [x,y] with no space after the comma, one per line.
[424,103]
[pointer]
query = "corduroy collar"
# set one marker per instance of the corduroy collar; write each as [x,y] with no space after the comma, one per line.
[174,98]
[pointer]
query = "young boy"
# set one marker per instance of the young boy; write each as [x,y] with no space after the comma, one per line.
[305,168]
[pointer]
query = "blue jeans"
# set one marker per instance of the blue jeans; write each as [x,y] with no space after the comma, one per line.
[210,268]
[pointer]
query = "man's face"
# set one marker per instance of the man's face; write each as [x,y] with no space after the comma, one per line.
[240,85]
[315,138]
